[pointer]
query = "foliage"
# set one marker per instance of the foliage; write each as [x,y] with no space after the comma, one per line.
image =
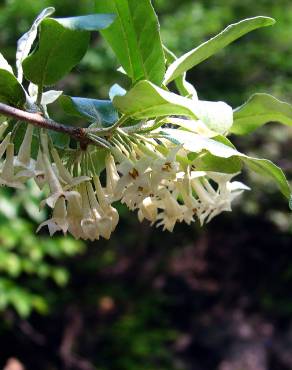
[149,168]
[24,257]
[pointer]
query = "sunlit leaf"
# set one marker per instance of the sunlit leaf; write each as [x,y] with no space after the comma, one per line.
[62,44]
[258,110]
[197,144]
[212,46]
[135,38]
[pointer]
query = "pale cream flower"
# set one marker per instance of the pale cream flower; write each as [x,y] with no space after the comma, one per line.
[59,221]
[56,190]
[148,209]
[63,173]
[23,158]
[8,176]
[88,221]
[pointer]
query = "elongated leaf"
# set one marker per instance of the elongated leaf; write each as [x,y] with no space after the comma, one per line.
[24,44]
[135,38]
[208,162]
[268,169]
[212,46]
[11,92]
[183,86]
[258,110]
[145,100]
[197,144]
[98,112]
[62,44]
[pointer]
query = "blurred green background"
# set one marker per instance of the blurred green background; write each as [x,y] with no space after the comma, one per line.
[198,299]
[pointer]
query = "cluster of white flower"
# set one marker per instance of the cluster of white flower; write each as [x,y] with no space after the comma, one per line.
[163,189]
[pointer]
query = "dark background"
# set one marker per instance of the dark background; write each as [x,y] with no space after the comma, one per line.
[218,297]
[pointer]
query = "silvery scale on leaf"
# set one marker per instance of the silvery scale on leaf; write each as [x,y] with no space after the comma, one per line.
[156,147]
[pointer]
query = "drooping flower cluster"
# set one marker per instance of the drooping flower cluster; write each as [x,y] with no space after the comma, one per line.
[146,175]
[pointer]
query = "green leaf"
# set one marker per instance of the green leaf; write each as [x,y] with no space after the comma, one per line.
[11,91]
[62,44]
[183,86]
[258,110]
[268,169]
[197,144]
[208,162]
[135,38]
[145,100]
[98,156]
[59,139]
[98,112]
[212,46]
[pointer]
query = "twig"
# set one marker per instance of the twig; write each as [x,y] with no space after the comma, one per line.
[78,133]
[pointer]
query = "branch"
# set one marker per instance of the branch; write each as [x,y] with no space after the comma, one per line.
[78,133]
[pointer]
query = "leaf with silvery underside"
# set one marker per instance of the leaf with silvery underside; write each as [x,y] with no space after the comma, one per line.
[90,22]
[135,38]
[5,65]
[62,44]
[212,46]
[259,110]
[116,90]
[146,100]
[100,113]
[197,144]
[24,44]
[11,91]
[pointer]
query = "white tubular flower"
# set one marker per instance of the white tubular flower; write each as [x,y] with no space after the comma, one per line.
[165,168]
[7,177]
[39,171]
[135,183]
[213,202]
[59,221]
[54,184]
[102,222]
[148,209]
[64,175]
[172,213]
[74,216]
[109,215]
[88,221]
[112,176]
[227,191]
[23,159]
[4,144]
